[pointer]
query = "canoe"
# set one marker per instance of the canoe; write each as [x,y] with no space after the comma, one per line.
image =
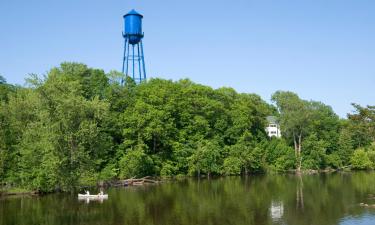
[85,196]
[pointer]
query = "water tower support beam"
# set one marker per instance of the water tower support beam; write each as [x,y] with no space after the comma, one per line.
[139,63]
[133,63]
[123,62]
[143,61]
[127,61]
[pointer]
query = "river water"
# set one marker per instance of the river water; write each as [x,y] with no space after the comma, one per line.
[254,200]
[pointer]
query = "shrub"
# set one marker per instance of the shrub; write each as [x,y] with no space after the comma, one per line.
[168,169]
[135,163]
[360,160]
[232,166]
[333,161]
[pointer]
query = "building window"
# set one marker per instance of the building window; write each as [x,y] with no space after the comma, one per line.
[273,132]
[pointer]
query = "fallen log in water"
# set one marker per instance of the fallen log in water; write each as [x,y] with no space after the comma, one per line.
[136,181]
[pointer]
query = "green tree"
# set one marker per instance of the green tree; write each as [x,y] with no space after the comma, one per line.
[279,155]
[247,156]
[2,80]
[78,125]
[325,124]
[362,125]
[136,163]
[5,89]
[232,165]
[295,118]
[206,158]
[39,162]
[311,120]
[345,145]
[70,142]
[314,154]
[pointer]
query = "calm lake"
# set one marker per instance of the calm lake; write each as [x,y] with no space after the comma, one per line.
[267,199]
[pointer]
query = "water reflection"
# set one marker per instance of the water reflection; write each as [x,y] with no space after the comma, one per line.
[88,200]
[299,187]
[277,211]
[259,200]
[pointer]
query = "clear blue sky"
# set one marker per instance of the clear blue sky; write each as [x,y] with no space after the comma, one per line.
[321,49]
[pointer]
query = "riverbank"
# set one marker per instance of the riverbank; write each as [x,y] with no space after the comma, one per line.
[16,191]
[4,192]
[321,171]
[149,180]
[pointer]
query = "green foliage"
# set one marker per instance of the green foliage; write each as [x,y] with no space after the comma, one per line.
[314,153]
[109,172]
[5,91]
[334,161]
[77,126]
[58,130]
[6,138]
[39,163]
[311,126]
[295,114]
[206,158]
[279,155]
[2,80]
[168,169]
[345,145]
[360,160]
[285,162]
[362,125]
[136,163]
[370,152]
[232,165]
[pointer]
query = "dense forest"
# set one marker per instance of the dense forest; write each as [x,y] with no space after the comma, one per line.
[78,125]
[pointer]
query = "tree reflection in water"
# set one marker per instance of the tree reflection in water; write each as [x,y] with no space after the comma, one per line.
[299,187]
[254,200]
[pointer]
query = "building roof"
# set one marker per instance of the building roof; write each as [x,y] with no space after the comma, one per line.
[272,119]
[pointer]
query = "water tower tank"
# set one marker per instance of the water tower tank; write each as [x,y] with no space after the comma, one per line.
[133,27]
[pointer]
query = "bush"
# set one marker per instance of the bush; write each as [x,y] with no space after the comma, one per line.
[88,178]
[135,163]
[232,166]
[334,161]
[313,153]
[168,169]
[206,158]
[279,155]
[360,160]
[285,162]
[109,172]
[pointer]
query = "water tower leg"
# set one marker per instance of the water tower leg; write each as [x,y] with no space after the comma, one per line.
[127,59]
[133,63]
[123,62]
[139,63]
[143,62]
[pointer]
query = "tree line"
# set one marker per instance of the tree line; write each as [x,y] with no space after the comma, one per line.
[78,125]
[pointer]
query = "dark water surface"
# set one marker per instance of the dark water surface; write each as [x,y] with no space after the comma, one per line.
[253,200]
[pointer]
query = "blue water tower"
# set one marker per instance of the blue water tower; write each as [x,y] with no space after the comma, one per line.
[133,60]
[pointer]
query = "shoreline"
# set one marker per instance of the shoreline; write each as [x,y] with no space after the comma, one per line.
[12,192]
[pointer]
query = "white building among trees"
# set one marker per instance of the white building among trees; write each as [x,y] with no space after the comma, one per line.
[273,127]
